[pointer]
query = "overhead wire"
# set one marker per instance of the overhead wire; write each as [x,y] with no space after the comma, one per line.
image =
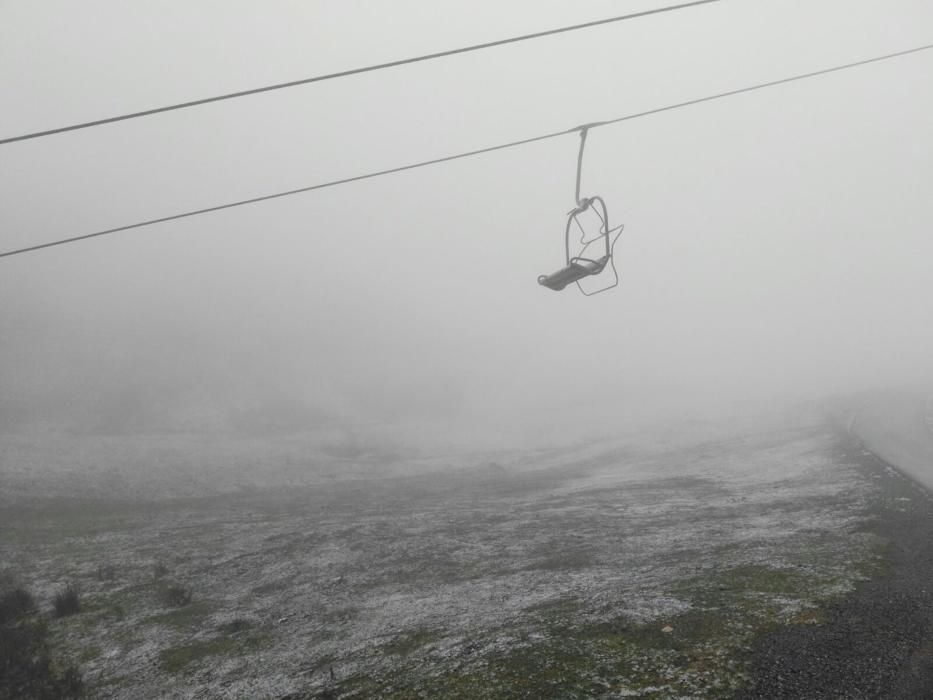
[356,71]
[478,151]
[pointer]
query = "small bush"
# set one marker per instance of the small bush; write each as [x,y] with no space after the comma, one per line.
[176,595]
[26,660]
[72,683]
[238,624]
[159,570]
[15,603]
[106,572]
[67,601]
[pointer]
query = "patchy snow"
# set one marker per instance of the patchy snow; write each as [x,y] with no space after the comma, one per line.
[455,565]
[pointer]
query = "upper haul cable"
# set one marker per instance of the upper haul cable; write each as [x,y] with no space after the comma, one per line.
[467,154]
[353,71]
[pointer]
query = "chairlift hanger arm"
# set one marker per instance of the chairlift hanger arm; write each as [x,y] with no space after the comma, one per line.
[584,130]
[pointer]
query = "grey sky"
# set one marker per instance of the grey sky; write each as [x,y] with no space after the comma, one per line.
[776,243]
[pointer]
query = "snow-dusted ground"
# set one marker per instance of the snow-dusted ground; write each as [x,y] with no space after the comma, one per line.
[360,583]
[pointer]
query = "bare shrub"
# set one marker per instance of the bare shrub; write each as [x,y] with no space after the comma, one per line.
[176,595]
[159,570]
[237,624]
[14,603]
[67,601]
[26,659]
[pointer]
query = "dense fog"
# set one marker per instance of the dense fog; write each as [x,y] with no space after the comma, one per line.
[777,244]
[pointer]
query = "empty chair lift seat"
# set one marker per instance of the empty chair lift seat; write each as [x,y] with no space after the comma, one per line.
[573,271]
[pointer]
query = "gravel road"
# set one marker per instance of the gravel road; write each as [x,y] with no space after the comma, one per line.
[877,643]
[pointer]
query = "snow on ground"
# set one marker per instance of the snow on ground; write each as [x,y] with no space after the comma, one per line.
[356,581]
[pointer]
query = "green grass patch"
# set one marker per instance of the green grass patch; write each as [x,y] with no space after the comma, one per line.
[762,579]
[229,643]
[744,588]
[55,520]
[412,640]
[175,659]
[89,653]
[700,652]
[189,616]
[276,586]
[564,561]
[556,607]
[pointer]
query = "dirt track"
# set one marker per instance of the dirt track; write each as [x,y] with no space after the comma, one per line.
[877,643]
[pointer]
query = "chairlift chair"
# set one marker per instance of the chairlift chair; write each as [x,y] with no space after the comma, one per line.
[580,266]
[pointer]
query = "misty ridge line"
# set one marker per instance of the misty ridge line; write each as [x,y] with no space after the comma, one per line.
[479,151]
[353,71]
